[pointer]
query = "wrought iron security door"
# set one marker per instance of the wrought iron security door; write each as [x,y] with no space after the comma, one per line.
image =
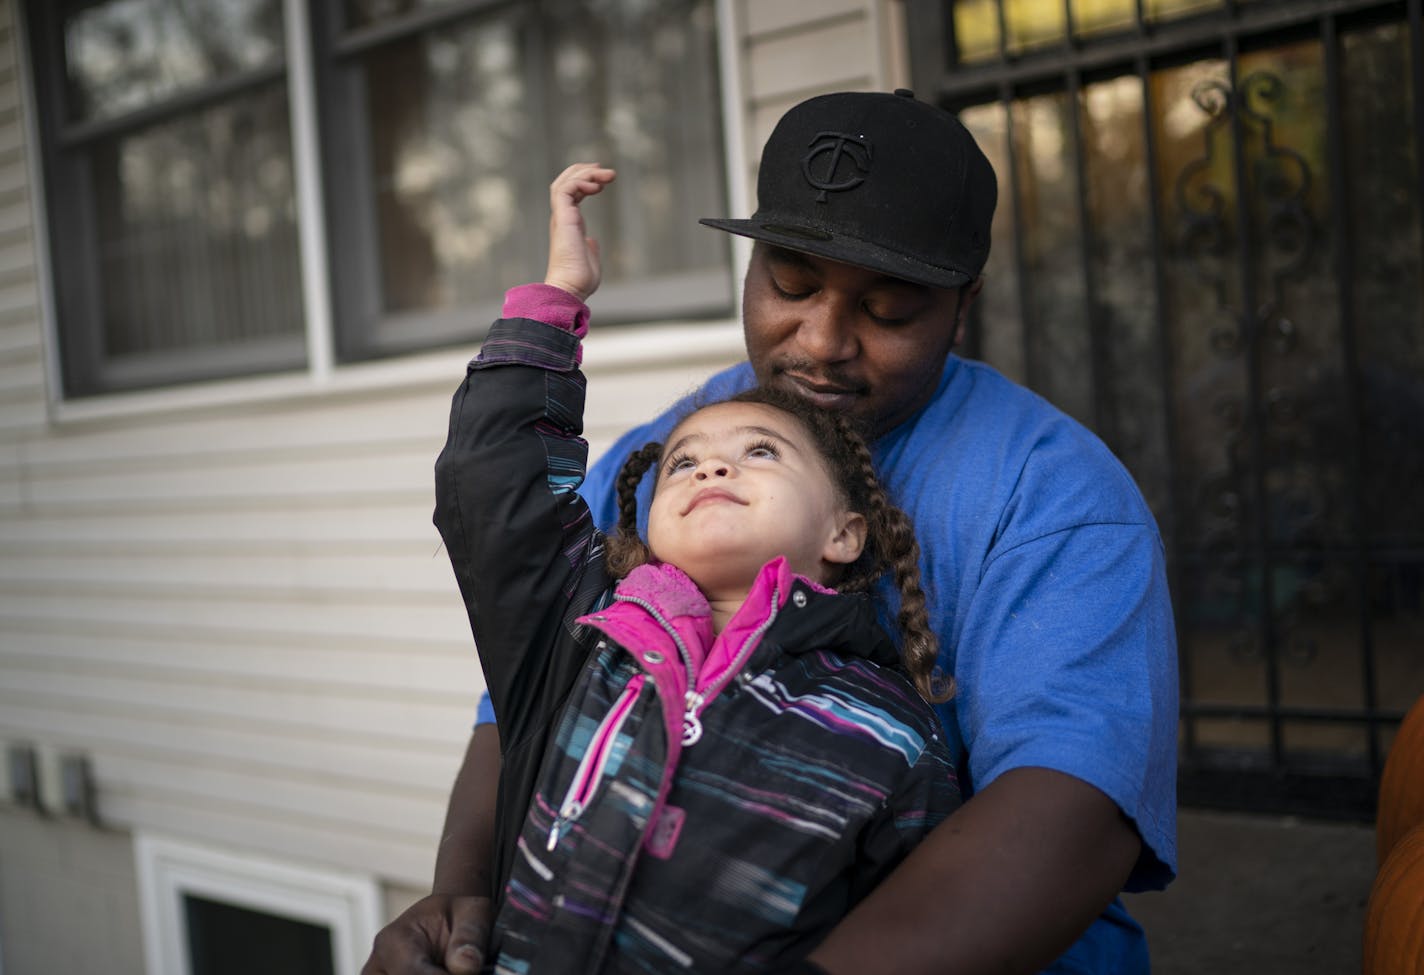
[1208,248]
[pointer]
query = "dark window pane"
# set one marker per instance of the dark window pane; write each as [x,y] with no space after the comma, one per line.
[1383,213]
[1131,386]
[633,83]
[197,239]
[1191,129]
[456,160]
[468,126]
[1059,351]
[998,335]
[127,54]
[224,939]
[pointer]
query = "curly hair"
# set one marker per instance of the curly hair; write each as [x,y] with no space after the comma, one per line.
[890,544]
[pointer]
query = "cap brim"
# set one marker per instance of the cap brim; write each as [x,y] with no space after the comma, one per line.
[844,249]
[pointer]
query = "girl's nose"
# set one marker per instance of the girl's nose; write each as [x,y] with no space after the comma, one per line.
[713,468]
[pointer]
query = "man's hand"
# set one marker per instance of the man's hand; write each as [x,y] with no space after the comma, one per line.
[436,934]
[573,256]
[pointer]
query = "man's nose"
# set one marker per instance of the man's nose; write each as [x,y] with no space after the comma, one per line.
[827,331]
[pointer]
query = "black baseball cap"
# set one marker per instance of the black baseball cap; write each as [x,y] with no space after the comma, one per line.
[877,180]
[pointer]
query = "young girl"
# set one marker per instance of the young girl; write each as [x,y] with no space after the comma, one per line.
[710,753]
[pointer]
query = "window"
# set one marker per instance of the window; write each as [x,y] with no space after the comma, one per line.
[171,141]
[207,912]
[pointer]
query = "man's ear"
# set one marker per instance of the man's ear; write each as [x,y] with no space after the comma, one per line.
[967,294]
[847,540]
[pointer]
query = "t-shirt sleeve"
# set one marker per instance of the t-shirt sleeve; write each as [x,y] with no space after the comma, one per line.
[484,713]
[1068,663]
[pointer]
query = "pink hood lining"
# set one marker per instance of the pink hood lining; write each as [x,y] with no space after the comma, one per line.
[669,592]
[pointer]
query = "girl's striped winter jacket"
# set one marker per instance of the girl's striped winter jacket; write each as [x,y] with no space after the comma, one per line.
[671,800]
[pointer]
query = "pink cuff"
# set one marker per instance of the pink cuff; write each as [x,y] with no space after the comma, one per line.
[548,304]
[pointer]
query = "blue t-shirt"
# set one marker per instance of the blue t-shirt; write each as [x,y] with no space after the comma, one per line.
[1047,583]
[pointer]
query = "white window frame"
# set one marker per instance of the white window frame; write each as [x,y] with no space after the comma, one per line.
[348,905]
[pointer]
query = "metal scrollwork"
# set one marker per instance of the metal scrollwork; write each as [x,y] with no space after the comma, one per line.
[1260,436]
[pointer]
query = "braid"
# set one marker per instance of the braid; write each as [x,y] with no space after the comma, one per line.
[624,549]
[891,545]
[921,646]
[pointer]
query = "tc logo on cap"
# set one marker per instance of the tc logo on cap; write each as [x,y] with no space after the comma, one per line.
[843,162]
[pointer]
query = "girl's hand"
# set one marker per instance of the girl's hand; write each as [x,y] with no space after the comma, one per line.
[573,256]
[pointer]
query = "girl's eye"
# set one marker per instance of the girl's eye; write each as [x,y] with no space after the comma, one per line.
[763,448]
[678,462]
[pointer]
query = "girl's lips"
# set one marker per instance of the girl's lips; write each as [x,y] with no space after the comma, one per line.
[710,495]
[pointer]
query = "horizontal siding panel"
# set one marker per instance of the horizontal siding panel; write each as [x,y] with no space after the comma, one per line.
[377,766]
[839,56]
[311,579]
[772,16]
[12,134]
[17,255]
[20,421]
[409,717]
[262,791]
[404,852]
[19,299]
[14,174]
[220,480]
[21,364]
[328,428]
[365,668]
[433,620]
[15,215]
[21,383]
[9,87]
[352,530]
[20,339]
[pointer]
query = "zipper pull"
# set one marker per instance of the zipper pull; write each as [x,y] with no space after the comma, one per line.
[566,816]
[691,723]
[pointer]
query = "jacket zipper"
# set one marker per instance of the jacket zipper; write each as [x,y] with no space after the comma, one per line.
[697,700]
[691,727]
[594,760]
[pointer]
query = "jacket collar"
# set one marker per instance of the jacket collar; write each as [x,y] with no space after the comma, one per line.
[811,616]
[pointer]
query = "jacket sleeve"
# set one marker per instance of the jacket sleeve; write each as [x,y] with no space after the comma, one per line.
[525,554]
[925,796]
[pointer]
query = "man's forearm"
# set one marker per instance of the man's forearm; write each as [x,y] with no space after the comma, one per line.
[1004,885]
[463,860]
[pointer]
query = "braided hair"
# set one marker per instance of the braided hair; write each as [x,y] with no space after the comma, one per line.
[890,544]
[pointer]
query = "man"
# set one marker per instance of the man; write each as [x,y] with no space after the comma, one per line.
[1043,567]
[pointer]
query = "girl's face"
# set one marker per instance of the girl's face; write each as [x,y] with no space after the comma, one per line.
[738,485]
